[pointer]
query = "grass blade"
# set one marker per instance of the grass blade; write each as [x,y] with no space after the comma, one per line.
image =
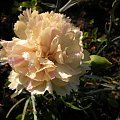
[14,106]
[25,108]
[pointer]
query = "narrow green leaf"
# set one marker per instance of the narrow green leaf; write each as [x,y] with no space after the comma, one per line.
[85,35]
[69,4]
[94,31]
[84,108]
[25,108]
[72,106]
[49,5]
[16,93]
[102,39]
[14,106]
[115,3]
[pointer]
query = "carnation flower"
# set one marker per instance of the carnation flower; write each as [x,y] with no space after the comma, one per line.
[47,54]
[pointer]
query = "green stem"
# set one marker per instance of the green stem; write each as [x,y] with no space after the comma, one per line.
[57,5]
[64,7]
[103,90]
[34,109]
[104,47]
[25,108]
[115,39]
[14,106]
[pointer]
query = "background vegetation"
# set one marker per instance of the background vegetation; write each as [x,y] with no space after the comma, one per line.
[98,97]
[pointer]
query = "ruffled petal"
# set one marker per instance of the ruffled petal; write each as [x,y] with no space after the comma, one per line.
[67,88]
[47,55]
[19,29]
[42,88]
[64,71]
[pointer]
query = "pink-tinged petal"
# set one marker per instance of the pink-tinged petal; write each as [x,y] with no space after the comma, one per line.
[66,89]
[14,79]
[45,37]
[52,75]
[53,33]
[25,15]
[59,82]
[28,82]
[41,76]
[48,55]
[59,55]
[19,29]
[49,87]
[3,56]
[29,85]
[7,45]
[59,58]
[67,40]
[64,71]
[54,44]
[15,61]
[21,68]
[40,89]
[47,65]
[66,28]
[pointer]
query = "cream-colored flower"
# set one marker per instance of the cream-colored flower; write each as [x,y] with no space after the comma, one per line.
[47,55]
